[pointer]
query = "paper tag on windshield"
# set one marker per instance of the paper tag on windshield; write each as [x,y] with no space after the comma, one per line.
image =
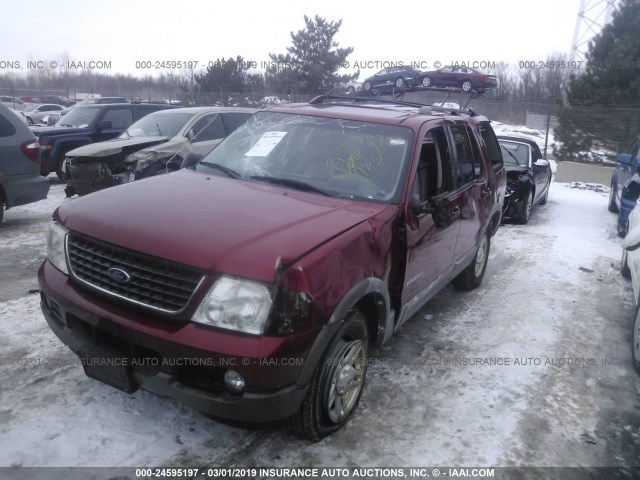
[267,142]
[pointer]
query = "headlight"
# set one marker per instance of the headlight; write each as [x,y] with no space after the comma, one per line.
[235,304]
[56,247]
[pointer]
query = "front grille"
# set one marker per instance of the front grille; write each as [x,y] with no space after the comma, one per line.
[153,282]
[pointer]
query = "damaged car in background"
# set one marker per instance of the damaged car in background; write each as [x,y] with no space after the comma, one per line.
[528,177]
[153,145]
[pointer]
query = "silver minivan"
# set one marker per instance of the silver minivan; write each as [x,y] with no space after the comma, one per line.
[20,180]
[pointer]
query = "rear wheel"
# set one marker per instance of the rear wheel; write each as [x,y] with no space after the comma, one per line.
[399,82]
[337,384]
[471,277]
[624,266]
[636,342]
[613,208]
[546,194]
[466,86]
[426,82]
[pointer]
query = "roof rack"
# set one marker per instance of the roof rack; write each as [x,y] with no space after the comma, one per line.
[424,108]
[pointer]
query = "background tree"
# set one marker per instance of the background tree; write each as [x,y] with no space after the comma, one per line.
[230,78]
[312,62]
[610,80]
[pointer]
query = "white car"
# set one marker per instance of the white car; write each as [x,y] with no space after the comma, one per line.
[35,113]
[630,268]
[13,103]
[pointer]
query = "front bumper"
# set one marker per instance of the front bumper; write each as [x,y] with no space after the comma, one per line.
[88,177]
[128,351]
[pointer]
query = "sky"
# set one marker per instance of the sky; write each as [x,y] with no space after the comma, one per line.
[125,32]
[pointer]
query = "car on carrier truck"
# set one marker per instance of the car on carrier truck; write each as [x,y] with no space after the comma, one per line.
[251,284]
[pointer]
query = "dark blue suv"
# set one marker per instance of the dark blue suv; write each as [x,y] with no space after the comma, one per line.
[625,184]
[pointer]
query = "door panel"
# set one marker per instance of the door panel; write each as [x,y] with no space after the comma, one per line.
[430,247]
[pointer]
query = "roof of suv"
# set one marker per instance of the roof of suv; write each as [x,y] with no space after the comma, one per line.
[373,110]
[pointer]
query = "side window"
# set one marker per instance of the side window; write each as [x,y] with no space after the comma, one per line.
[119,118]
[234,120]
[6,128]
[433,176]
[209,128]
[492,146]
[464,155]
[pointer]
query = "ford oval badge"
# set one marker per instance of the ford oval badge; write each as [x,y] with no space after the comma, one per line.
[119,275]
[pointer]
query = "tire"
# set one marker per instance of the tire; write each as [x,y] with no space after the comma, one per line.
[624,266]
[613,208]
[367,86]
[466,86]
[351,90]
[471,277]
[523,209]
[546,194]
[635,346]
[426,82]
[337,384]
[399,82]
[623,227]
[1,210]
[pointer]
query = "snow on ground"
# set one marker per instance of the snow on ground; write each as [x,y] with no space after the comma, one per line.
[552,293]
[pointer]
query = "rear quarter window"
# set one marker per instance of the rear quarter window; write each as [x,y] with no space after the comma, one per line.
[6,127]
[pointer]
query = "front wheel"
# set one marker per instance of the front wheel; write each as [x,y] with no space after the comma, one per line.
[471,277]
[466,86]
[399,82]
[367,86]
[337,384]
[523,209]
[426,82]
[613,208]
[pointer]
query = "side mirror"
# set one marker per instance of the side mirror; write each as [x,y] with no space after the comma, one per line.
[632,241]
[191,135]
[541,162]
[624,158]
[190,160]
[103,124]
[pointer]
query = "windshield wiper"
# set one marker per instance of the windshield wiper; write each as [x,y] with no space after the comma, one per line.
[512,156]
[226,170]
[290,182]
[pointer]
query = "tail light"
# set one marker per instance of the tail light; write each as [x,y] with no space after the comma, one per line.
[31,149]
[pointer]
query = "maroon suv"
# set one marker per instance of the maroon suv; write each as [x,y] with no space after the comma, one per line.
[250,285]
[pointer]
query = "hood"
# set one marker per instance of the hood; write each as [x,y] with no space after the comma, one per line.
[115,146]
[214,223]
[47,131]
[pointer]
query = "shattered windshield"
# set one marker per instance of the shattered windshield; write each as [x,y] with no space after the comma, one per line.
[159,124]
[79,117]
[515,153]
[343,158]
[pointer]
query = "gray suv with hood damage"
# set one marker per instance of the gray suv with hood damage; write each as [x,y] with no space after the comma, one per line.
[153,145]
